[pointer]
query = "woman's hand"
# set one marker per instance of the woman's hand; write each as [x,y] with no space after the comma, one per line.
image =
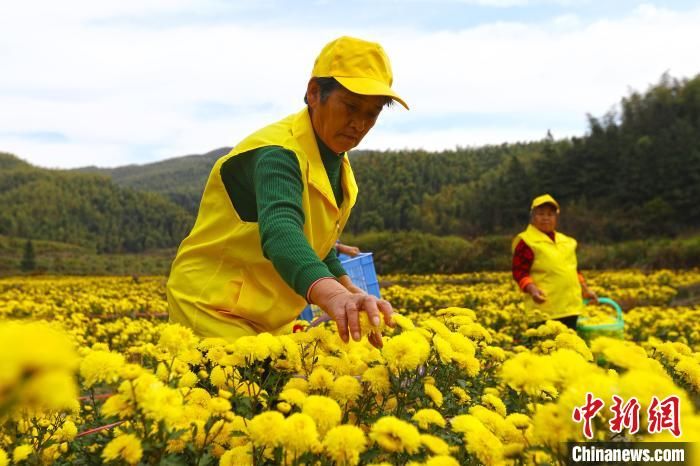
[351,251]
[537,295]
[346,281]
[589,294]
[344,307]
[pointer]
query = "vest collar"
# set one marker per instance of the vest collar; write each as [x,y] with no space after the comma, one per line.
[539,235]
[303,132]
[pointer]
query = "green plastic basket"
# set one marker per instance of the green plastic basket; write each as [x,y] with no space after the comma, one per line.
[592,331]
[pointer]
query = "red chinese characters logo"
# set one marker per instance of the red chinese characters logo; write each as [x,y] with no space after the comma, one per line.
[587,412]
[625,416]
[665,415]
[662,415]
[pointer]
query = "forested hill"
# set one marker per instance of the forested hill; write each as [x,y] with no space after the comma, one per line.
[84,209]
[634,174]
[181,179]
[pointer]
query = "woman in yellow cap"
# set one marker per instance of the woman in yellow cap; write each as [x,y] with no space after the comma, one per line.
[545,267]
[262,246]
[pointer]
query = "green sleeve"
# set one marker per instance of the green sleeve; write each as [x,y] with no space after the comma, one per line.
[278,188]
[333,264]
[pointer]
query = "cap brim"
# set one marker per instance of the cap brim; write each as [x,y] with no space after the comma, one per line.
[553,204]
[369,86]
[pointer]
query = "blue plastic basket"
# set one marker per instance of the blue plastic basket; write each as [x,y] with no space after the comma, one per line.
[361,271]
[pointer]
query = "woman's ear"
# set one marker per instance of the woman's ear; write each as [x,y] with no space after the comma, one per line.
[313,93]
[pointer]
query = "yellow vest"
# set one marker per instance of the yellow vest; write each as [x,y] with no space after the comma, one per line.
[220,283]
[554,271]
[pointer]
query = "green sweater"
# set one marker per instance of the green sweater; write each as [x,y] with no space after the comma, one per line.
[265,186]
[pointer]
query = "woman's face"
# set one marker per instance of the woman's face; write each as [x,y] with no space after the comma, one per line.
[344,118]
[544,218]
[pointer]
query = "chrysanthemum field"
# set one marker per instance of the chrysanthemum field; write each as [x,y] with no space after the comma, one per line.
[91,373]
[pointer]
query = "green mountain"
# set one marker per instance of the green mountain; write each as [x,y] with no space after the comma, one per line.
[634,174]
[85,209]
[181,179]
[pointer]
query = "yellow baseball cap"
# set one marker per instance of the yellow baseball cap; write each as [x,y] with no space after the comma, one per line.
[544,199]
[359,66]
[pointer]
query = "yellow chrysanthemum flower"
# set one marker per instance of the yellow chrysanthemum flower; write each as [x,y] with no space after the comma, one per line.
[406,351]
[37,356]
[573,342]
[176,339]
[284,407]
[513,450]
[219,405]
[435,445]
[131,371]
[427,417]
[436,326]
[297,383]
[444,349]
[344,444]
[462,396]
[323,410]
[300,434]
[403,322]
[496,424]
[238,456]
[274,346]
[68,431]
[248,349]
[264,429]
[480,441]
[117,405]
[346,388]
[461,344]
[126,447]
[101,366]
[188,379]
[394,435]
[378,379]
[433,393]
[366,326]
[530,373]
[290,359]
[519,421]
[321,380]
[470,364]
[457,311]
[495,403]
[689,369]
[441,460]
[293,396]
[476,332]
[495,353]
[21,453]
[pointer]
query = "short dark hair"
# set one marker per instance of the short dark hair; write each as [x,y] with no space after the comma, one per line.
[329,84]
[326,87]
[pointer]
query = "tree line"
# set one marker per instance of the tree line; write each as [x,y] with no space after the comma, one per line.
[88,210]
[634,174]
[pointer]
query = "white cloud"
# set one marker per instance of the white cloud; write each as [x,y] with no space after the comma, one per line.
[124,94]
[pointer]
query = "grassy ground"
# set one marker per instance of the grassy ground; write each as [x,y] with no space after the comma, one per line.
[62,258]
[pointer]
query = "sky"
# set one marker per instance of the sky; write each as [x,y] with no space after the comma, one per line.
[116,82]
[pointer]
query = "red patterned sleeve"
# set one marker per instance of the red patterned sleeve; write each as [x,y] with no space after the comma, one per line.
[523,257]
